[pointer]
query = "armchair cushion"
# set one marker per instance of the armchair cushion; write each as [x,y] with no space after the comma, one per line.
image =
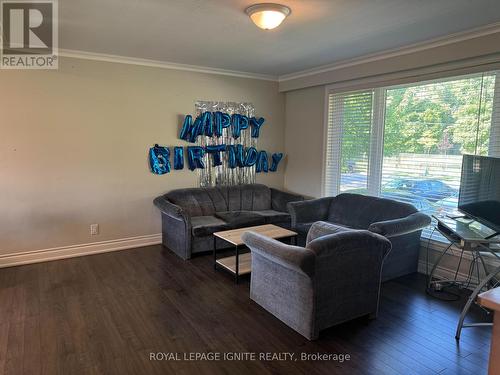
[238,219]
[207,225]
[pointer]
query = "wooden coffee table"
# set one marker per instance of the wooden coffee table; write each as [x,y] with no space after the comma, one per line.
[240,264]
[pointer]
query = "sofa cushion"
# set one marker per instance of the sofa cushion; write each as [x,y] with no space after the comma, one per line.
[249,197]
[274,217]
[207,225]
[238,219]
[207,201]
[198,202]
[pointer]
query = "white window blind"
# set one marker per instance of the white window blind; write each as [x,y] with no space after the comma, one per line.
[407,142]
[348,142]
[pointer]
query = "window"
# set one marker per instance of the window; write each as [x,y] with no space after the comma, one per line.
[407,142]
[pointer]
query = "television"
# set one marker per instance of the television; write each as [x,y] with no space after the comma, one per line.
[479,196]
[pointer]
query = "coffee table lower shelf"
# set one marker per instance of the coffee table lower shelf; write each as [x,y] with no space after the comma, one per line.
[229,263]
[234,238]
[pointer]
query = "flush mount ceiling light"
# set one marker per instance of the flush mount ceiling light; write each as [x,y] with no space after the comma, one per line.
[268,16]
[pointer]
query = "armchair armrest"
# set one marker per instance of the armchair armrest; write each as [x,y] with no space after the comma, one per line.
[280,199]
[397,227]
[310,210]
[292,257]
[323,228]
[170,209]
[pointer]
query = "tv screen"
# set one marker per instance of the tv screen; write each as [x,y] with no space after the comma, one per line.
[479,195]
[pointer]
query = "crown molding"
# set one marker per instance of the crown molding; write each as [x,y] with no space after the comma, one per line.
[411,48]
[416,47]
[162,64]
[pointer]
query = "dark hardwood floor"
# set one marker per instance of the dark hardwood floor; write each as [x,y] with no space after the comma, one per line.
[105,314]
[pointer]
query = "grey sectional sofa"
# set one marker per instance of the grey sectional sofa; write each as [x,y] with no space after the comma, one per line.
[191,216]
[335,278]
[400,222]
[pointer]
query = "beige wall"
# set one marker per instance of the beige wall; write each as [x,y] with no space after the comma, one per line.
[304,140]
[305,95]
[74,142]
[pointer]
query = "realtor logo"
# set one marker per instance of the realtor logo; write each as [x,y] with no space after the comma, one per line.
[29,34]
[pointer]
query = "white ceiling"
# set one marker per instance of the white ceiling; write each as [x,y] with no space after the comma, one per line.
[218,34]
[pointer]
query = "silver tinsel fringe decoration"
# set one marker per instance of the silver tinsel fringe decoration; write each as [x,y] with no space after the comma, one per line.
[223,175]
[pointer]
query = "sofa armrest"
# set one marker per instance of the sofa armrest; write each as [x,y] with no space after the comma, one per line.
[170,209]
[309,210]
[292,257]
[397,227]
[280,199]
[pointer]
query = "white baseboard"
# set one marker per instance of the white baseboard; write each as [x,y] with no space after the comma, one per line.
[441,272]
[448,267]
[16,259]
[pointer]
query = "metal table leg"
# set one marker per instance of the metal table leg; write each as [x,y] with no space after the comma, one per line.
[471,299]
[215,253]
[431,275]
[236,276]
[485,268]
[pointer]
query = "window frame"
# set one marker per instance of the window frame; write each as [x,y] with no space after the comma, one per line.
[375,167]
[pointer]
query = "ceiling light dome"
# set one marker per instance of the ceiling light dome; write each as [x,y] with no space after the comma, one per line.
[268,16]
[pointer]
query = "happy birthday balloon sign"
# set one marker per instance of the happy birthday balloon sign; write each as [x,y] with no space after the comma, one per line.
[212,124]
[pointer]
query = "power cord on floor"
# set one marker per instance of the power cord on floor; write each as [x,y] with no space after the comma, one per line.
[441,294]
[427,256]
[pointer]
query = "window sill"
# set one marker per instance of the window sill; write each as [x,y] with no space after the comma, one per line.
[436,242]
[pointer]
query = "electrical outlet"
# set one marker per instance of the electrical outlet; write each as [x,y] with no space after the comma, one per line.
[94,229]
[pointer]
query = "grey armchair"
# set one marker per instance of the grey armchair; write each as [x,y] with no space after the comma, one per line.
[398,221]
[335,278]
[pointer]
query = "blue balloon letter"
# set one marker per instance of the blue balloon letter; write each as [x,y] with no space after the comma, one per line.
[186,127]
[159,159]
[240,123]
[276,160]
[261,165]
[256,124]
[215,150]
[235,158]
[195,157]
[178,158]
[251,157]
[207,125]
[221,121]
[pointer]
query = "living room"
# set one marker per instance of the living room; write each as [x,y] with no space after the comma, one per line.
[216,186]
